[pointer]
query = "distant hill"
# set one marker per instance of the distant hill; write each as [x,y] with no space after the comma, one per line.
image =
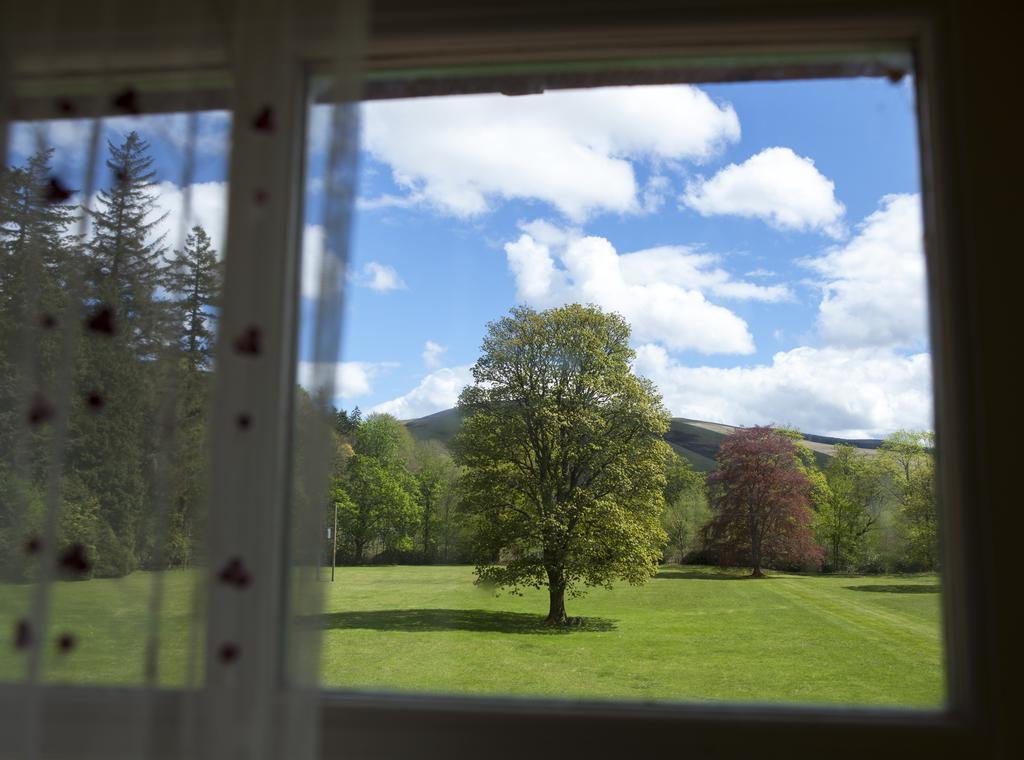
[693,440]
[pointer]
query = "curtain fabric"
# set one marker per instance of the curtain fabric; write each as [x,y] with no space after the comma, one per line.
[163,481]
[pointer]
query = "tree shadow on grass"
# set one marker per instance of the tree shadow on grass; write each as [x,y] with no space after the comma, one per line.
[698,575]
[433,620]
[903,588]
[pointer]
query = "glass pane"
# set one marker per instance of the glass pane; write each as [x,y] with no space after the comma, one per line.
[108,322]
[636,398]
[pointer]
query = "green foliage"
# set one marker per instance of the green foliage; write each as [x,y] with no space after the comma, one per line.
[850,503]
[563,456]
[436,479]
[162,318]
[909,454]
[346,423]
[686,509]
[193,277]
[375,491]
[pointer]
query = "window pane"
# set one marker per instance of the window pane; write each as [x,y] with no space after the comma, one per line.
[113,318]
[636,398]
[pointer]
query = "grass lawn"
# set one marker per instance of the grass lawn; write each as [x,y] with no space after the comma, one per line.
[689,634]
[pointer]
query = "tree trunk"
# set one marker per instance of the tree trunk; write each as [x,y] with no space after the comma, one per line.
[556,593]
[755,551]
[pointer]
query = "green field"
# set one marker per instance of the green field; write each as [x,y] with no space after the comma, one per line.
[689,634]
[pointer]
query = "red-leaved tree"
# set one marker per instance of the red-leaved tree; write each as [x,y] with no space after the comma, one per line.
[761,497]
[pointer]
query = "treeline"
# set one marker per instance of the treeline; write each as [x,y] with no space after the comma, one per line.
[144,318]
[399,502]
[866,512]
[395,499]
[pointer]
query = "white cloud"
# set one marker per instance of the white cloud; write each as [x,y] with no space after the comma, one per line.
[432,353]
[70,137]
[854,393]
[776,185]
[436,392]
[678,265]
[349,379]
[379,277]
[208,208]
[571,149]
[654,194]
[660,291]
[873,287]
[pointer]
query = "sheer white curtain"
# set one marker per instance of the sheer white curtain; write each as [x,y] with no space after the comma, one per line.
[161,520]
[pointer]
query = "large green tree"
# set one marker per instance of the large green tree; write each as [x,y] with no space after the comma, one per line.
[37,265]
[112,443]
[686,508]
[910,455]
[436,479]
[193,278]
[849,505]
[192,281]
[376,496]
[563,455]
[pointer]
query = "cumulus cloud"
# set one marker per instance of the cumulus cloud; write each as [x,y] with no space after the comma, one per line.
[432,353]
[436,392]
[660,291]
[350,379]
[168,132]
[852,393]
[776,185]
[379,277]
[571,149]
[873,287]
[207,208]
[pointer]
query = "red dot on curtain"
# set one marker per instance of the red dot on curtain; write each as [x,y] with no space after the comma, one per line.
[22,634]
[56,191]
[40,410]
[250,342]
[127,101]
[66,642]
[264,120]
[235,573]
[228,652]
[102,321]
[73,559]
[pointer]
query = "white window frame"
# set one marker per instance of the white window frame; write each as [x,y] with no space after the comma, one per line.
[269,47]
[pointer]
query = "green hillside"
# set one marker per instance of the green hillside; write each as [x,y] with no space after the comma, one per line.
[694,440]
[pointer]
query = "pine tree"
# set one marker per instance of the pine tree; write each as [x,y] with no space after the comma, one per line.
[113,433]
[36,265]
[33,226]
[193,278]
[125,254]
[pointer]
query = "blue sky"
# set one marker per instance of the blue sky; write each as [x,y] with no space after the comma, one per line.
[763,239]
